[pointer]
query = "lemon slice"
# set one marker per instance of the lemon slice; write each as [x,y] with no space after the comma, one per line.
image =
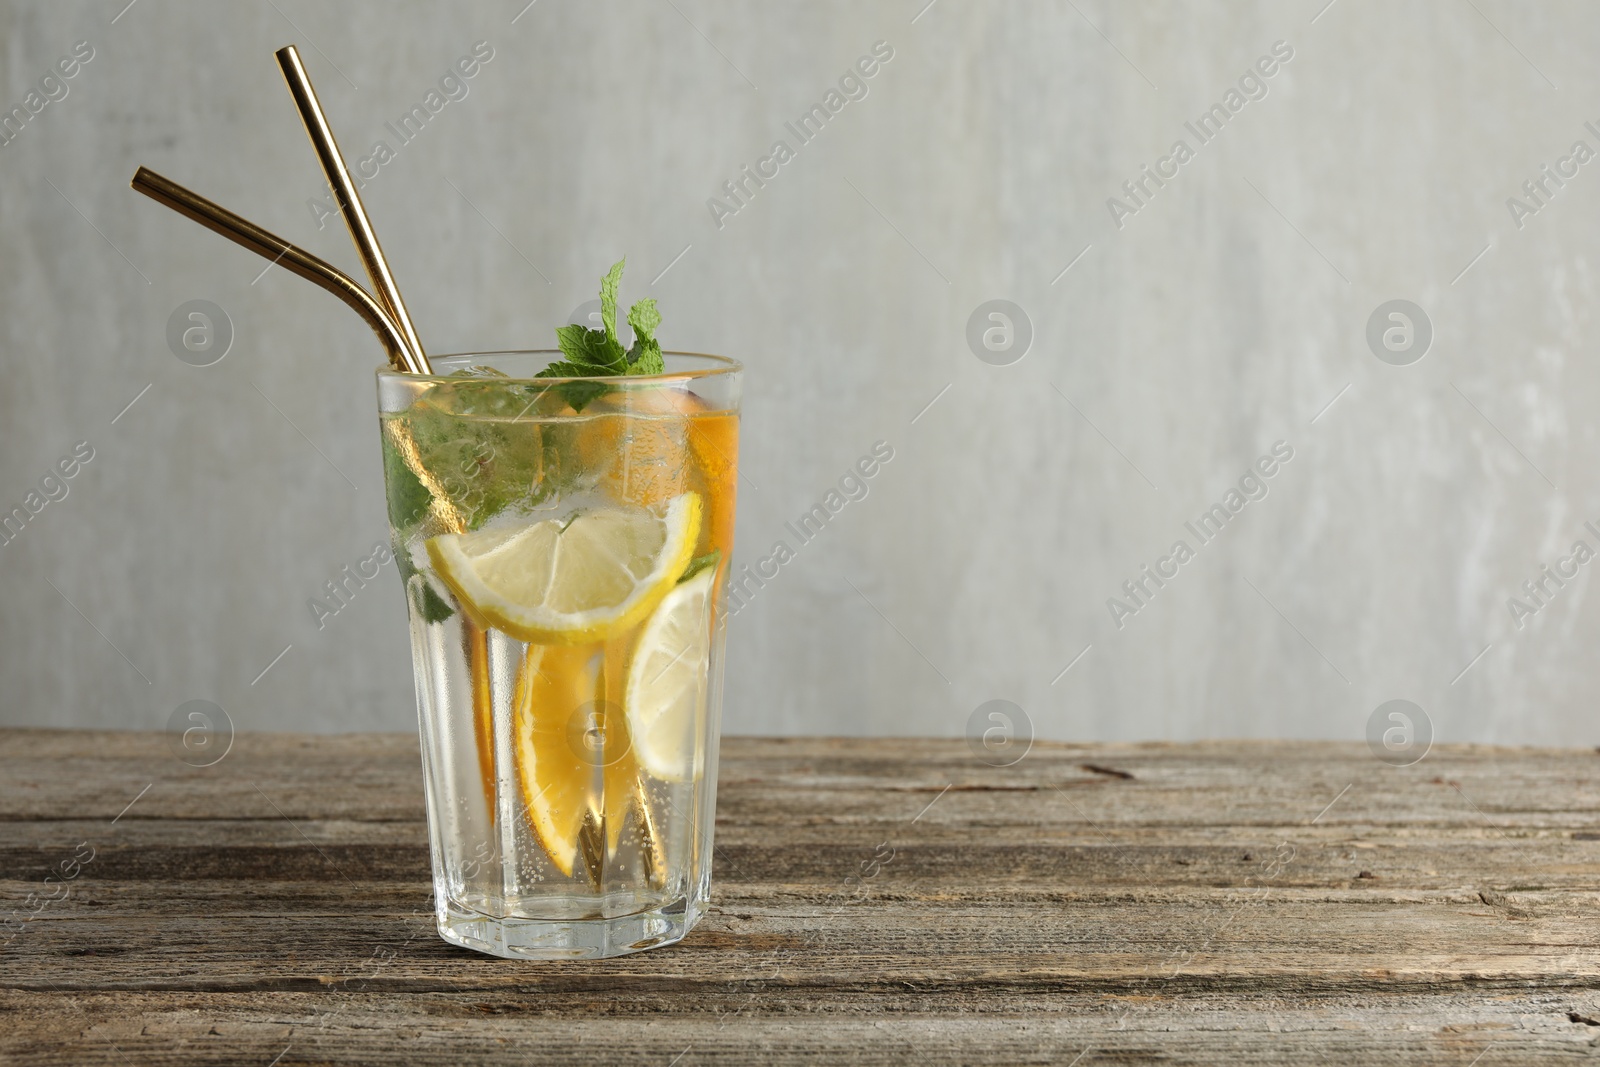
[666,694]
[570,581]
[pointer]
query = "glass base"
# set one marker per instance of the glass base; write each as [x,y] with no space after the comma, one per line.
[567,939]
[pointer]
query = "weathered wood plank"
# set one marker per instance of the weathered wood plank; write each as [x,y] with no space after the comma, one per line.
[1204,903]
[446,1030]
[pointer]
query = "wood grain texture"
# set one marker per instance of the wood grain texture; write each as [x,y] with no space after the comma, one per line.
[875,901]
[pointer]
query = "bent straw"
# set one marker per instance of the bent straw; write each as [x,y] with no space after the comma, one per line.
[242,231]
[344,189]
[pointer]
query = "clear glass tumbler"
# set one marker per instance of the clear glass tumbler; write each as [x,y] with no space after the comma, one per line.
[565,545]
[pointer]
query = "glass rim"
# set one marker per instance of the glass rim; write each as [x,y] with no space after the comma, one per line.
[720,365]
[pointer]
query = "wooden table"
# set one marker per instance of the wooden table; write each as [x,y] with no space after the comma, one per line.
[876,901]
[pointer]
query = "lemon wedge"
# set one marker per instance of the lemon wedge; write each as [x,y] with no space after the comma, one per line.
[571,581]
[665,698]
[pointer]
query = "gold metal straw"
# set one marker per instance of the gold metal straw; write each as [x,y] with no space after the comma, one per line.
[384,287]
[344,189]
[296,260]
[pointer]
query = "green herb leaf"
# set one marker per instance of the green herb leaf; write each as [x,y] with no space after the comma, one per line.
[646,359]
[593,350]
[433,607]
[700,563]
[644,318]
[564,369]
[574,342]
[578,395]
[645,355]
[608,299]
[482,465]
[408,497]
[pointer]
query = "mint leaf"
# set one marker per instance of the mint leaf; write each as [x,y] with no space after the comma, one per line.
[644,318]
[608,299]
[481,465]
[576,394]
[408,497]
[700,563]
[564,369]
[590,349]
[433,607]
[574,342]
[645,355]
[579,394]
[646,359]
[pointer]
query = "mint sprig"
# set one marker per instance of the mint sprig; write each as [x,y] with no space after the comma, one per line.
[599,353]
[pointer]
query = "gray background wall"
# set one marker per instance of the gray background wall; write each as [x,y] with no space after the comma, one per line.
[1222,317]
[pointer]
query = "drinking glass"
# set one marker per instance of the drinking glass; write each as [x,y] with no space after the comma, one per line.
[565,545]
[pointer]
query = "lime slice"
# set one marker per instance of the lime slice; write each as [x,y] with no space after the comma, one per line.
[570,581]
[667,678]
